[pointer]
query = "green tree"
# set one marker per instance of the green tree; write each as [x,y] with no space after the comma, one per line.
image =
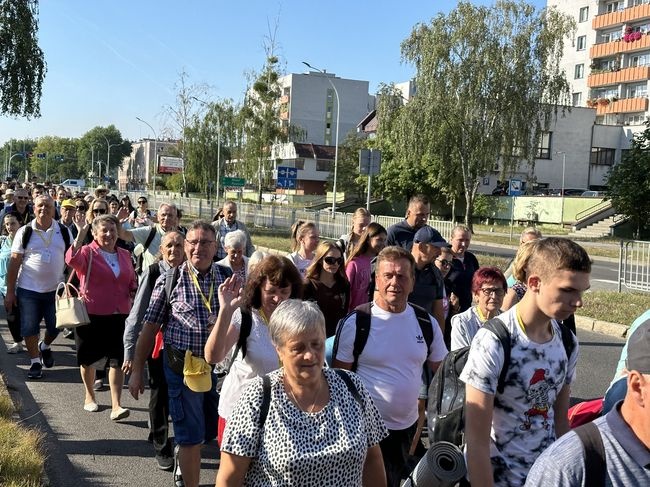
[93,146]
[349,181]
[16,151]
[488,85]
[22,63]
[59,161]
[629,183]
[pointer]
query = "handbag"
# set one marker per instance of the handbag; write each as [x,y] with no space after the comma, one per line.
[71,310]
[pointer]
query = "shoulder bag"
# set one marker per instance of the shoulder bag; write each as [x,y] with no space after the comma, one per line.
[71,310]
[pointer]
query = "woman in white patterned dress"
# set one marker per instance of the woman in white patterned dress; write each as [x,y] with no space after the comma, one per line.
[321,427]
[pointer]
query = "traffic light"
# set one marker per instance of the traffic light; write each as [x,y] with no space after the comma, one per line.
[41,155]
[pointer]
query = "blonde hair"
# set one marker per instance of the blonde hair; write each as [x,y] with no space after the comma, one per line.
[298,232]
[544,256]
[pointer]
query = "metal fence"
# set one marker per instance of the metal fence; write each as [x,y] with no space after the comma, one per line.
[280,217]
[634,265]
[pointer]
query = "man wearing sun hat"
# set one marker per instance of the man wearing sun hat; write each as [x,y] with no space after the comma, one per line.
[624,432]
[101,191]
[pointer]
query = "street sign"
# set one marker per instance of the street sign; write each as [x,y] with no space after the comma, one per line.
[369,162]
[515,187]
[233,182]
[287,177]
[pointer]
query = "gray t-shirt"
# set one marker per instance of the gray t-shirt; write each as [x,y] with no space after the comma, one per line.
[563,463]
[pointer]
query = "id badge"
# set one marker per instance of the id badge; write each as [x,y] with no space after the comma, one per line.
[46,256]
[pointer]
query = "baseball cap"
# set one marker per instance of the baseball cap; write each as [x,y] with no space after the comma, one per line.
[68,204]
[9,191]
[638,349]
[431,236]
[197,373]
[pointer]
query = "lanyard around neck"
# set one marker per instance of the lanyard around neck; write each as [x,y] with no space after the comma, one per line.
[206,301]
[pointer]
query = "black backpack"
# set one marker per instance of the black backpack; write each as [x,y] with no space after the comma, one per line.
[446,407]
[362,332]
[29,230]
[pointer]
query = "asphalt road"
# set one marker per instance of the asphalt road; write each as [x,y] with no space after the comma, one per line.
[88,449]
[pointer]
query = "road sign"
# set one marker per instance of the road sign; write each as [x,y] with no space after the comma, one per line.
[233,182]
[287,177]
[285,183]
[515,187]
[170,165]
[369,162]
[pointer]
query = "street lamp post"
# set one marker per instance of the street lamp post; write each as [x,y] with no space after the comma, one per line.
[108,157]
[562,193]
[99,163]
[155,150]
[336,147]
[218,146]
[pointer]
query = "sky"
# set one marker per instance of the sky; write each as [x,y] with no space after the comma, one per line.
[112,61]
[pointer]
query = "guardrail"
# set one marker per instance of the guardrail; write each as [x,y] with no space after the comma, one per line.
[281,217]
[634,265]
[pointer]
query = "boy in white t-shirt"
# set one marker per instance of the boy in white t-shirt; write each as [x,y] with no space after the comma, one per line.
[507,431]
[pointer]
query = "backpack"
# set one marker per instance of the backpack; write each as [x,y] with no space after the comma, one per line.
[29,230]
[446,407]
[139,259]
[223,368]
[363,317]
[266,393]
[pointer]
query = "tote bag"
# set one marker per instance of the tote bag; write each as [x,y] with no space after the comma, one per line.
[71,309]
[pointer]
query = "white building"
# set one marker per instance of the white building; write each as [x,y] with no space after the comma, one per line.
[312,163]
[308,103]
[138,168]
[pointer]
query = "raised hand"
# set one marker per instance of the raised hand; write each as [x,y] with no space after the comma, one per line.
[230,293]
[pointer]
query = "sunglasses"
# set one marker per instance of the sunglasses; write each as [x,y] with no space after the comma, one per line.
[443,262]
[80,208]
[141,202]
[333,260]
[100,211]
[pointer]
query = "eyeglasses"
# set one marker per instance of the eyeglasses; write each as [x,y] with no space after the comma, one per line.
[202,243]
[80,208]
[333,260]
[497,291]
[21,197]
[444,262]
[100,211]
[141,202]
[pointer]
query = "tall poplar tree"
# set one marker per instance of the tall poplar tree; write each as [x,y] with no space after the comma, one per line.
[488,84]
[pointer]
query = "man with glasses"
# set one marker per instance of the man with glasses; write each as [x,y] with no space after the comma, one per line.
[20,208]
[227,224]
[188,313]
[40,260]
[68,212]
[147,239]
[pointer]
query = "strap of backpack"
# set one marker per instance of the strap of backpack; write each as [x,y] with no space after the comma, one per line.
[351,387]
[171,279]
[65,234]
[362,331]
[498,327]
[266,400]
[595,461]
[337,335]
[150,238]
[27,234]
[424,320]
[567,340]
[152,276]
[244,333]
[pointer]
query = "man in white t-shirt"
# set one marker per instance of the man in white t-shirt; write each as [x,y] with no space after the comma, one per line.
[35,271]
[390,364]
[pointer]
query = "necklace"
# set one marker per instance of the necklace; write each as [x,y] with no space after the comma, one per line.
[313,404]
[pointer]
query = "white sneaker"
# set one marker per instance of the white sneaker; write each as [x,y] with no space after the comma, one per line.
[15,348]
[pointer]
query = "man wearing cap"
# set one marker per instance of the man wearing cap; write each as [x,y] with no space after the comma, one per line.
[429,285]
[417,215]
[68,211]
[625,434]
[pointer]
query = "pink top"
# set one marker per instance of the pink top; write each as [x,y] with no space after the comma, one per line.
[358,271]
[105,294]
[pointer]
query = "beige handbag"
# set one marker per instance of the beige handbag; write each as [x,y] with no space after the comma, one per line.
[71,310]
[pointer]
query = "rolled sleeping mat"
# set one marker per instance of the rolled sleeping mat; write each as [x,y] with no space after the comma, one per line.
[442,466]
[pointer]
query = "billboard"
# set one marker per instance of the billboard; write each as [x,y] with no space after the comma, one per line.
[170,165]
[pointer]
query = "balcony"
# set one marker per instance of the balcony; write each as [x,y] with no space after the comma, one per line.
[284,99]
[621,17]
[627,75]
[284,115]
[607,49]
[628,105]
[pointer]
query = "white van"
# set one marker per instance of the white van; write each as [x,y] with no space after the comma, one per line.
[74,184]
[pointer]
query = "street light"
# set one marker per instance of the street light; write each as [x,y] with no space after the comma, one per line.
[99,163]
[218,144]
[155,150]
[336,147]
[563,171]
[108,157]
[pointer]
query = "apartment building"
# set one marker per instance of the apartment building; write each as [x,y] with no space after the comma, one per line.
[308,104]
[137,170]
[607,62]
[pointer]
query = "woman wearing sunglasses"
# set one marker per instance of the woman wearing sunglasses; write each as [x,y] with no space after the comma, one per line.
[488,287]
[327,284]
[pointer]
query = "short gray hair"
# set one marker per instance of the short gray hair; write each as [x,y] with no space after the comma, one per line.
[235,239]
[294,317]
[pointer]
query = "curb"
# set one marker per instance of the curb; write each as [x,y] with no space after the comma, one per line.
[602,327]
[515,247]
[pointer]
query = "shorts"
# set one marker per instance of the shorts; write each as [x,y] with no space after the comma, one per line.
[34,307]
[194,414]
[427,376]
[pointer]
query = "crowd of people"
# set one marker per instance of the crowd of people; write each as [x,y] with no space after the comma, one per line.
[309,369]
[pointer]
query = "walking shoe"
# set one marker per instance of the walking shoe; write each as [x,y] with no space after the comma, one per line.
[35,371]
[46,355]
[98,385]
[91,407]
[165,462]
[120,413]
[15,348]
[178,477]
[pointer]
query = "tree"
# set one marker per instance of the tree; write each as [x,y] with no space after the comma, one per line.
[488,85]
[55,158]
[93,146]
[629,183]
[22,63]
[349,181]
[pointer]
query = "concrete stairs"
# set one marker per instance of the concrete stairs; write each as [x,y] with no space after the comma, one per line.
[599,229]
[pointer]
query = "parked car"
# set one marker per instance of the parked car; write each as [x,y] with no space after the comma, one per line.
[593,194]
[567,192]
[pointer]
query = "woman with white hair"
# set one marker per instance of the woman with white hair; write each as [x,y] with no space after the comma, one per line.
[235,246]
[322,426]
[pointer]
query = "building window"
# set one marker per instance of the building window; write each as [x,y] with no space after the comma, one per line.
[544,146]
[324,165]
[584,14]
[577,99]
[637,91]
[582,43]
[614,7]
[579,71]
[602,156]
[299,163]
